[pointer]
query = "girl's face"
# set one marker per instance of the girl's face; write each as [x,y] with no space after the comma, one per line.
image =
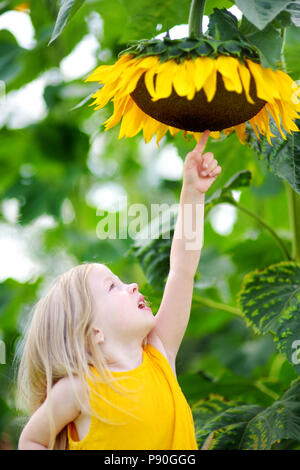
[116,305]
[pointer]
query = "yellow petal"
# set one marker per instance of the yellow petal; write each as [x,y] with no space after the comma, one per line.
[183,83]
[128,81]
[149,81]
[272,108]
[245,79]
[164,80]
[173,131]
[210,85]
[228,68]
[105,73]
[215,134]
[133,121]
[149,129]
[240,130]
[124,122]
[204,67]
[190,70]
[262,90]
[253,124]
[119,106]
[287,123]
[161,131]
[266,119]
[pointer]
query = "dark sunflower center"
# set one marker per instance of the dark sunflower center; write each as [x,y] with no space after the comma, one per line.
[227,108]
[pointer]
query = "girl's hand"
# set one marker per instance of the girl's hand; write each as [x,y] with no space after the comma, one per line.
[196,163]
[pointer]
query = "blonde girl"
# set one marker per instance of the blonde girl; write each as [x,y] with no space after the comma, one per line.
[97,368]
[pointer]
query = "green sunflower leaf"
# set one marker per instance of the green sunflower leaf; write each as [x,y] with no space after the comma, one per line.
[268,42]
[270,301]
[283,158]
[234,426]
[223,25]
[294,9]
[261,13]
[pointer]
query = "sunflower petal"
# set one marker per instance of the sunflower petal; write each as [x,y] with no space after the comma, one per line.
[133,121]
[210,85]
[240,130]
[182,82]
[262,90]
[161,132]
[245,79]
[272,108]
[164,80]
[149,81]
[204,67]
[228,68]
[119,106]
[149,129]
[124,123]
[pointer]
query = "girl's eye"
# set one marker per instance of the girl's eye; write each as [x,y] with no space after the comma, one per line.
[111,287]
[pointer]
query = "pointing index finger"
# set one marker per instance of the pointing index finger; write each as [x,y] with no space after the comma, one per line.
[202,142]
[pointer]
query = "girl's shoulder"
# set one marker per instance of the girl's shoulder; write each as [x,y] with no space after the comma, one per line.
[70,389]
[154,340]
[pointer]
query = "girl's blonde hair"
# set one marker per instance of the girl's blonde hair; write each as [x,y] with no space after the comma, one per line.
[58,342]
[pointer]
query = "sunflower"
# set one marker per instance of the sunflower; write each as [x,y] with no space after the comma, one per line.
[193,84]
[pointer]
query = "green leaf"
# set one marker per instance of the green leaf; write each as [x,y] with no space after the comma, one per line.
[261,13]
[223,25]
[294,9]
[66,12]
[270,299]
[10,52]
[283,158]
[268,41]
[232,426]
[279,421]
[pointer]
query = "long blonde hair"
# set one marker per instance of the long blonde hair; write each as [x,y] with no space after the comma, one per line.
[58,343]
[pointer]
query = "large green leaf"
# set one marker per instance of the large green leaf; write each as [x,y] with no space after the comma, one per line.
[294,9]
[66,12]
[268,41]
[234,426]
[283,158]
[261,13]
[270,300]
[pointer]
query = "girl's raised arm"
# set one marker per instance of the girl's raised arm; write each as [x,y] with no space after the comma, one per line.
[173,315]
[36,433]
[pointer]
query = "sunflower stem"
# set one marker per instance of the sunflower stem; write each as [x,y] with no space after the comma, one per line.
[195,18]
[265,225]
[292,197]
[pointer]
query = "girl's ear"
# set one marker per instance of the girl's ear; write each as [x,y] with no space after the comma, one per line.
[98,336]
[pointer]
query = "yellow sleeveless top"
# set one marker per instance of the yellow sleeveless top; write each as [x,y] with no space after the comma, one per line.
[161,418]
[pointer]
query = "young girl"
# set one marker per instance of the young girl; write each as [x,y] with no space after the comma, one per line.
[97,368]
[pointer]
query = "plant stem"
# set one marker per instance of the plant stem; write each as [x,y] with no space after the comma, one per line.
[195,18]
[292,197]
[294,216]
[264,224]
[217,305]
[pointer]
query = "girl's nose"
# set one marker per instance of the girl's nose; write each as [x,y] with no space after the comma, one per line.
[133,287]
